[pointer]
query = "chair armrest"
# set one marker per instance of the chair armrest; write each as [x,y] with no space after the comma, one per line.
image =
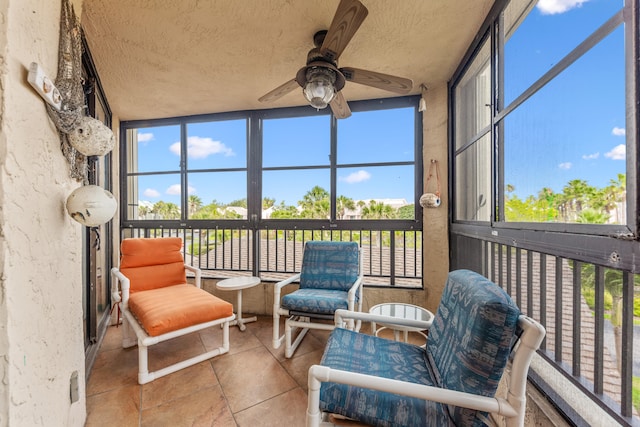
[197,272]
[279,285]
[125,284]
[354,288]
[436,394]
[377,318]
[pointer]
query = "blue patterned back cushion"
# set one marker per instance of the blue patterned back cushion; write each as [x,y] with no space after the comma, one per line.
[355,352]
[470,339]
[329,265]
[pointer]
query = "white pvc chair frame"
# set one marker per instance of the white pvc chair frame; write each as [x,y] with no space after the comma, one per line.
[143,340]
[512,408]
[302,323]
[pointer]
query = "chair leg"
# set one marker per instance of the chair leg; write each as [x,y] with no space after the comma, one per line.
[143,364]
[291,325]
[277,338]
[129,338]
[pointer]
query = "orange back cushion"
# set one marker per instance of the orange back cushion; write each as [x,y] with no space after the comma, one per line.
[152,263]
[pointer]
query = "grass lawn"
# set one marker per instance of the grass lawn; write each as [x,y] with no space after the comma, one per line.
[636,393]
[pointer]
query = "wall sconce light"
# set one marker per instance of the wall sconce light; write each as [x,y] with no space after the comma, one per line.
[91,205]
[423,103]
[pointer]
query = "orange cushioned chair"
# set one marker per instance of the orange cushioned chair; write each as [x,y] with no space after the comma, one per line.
[159,304]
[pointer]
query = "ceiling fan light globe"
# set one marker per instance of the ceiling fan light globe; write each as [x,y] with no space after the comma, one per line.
[319,94]
[319,89]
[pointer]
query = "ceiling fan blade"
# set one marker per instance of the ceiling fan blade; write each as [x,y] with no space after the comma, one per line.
[340,107]
[379,80]
[280,91]
[346,21]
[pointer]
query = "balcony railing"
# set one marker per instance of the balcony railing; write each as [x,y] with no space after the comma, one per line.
[390,257]
[587,310]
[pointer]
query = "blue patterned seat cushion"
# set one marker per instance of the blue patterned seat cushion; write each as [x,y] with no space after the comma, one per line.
[470,339]
[320,301]
[366,354]
[329,265]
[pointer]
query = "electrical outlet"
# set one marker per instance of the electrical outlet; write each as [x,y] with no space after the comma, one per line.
[44,86]
[74,392]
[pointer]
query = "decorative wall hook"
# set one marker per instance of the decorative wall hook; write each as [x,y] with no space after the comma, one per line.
[432,200]
[423,102]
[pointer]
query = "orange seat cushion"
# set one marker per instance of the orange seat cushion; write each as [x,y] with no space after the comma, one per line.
[176,307]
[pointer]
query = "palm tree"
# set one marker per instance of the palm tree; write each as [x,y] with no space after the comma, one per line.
[143,211]
[342,204]
[315,203]
[576,196]
[195,203]
[268,202]
[377,210]
[166,210]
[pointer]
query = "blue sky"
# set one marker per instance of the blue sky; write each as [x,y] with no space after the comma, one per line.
[574,128]
[367,137]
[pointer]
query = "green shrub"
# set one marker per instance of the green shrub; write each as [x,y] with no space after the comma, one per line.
[635,393]
[589,295]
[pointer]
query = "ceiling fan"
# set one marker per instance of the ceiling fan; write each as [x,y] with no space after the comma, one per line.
[321,79]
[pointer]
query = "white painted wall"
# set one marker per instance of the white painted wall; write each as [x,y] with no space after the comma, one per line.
[41,326]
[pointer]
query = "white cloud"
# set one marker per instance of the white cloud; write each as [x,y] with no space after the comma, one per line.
[619,152]
[150,192]
[145,137]
[552,7]
[591,156]
[565,165]
[200,148]
[174,190]
[356,177]
[618,131]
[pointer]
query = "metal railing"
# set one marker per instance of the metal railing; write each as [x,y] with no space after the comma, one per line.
[586,308]
[391,258]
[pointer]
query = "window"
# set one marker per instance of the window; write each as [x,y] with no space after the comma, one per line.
[245,190]
[544,174]
[306,165]
[555,113]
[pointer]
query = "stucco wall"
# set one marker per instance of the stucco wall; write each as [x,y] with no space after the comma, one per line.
[41,341]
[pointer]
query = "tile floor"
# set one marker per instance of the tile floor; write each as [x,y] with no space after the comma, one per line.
[252,385]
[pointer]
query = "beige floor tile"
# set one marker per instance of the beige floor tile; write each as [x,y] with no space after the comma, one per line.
[178,384]
[253,383]
[287,409]
[238,341]
[113,369]
[120,406]
[175,350]
[298,366]
[251,377]
[204,408]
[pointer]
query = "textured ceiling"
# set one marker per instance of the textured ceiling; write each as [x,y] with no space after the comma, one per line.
[166,58]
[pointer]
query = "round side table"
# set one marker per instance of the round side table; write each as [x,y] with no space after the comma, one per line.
[238,284]
[401,311]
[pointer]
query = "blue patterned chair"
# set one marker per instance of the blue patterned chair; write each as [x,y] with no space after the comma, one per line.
[451,382]
[330,279]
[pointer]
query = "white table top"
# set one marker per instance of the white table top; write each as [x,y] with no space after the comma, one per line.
[402,311]
[235,283]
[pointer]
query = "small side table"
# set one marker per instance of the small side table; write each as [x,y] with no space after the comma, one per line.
[238,284]
[401,311]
